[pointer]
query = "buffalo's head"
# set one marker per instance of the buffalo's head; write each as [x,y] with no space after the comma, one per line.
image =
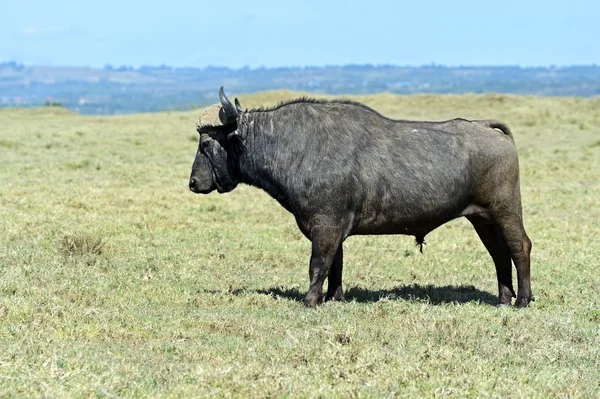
[214,166]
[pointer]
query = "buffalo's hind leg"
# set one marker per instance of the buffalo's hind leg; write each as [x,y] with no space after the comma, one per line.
[511,225]
[334,280]
[494,242]
[326,240]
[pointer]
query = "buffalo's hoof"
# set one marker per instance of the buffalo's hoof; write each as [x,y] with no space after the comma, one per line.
[504,301]
[337,296]
[311,301]
[522,303]
[503,305]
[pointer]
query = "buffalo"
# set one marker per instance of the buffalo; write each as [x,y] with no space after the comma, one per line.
[343,169]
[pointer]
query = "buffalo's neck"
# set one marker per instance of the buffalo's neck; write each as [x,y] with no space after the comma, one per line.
[268,159]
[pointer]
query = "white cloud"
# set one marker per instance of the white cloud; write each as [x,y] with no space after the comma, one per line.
[29,30]
[46,31]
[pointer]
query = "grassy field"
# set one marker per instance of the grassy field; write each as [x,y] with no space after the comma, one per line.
[117,281]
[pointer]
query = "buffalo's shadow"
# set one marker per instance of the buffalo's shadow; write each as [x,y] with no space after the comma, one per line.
[413,292]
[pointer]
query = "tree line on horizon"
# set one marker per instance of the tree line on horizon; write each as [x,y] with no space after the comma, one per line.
[124,89]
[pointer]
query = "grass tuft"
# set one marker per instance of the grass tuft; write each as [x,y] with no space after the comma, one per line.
[82,244]
[8,144]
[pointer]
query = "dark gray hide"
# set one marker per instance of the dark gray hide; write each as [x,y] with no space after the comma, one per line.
[343,169]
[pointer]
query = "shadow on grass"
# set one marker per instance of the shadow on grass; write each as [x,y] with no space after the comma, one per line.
[413,292]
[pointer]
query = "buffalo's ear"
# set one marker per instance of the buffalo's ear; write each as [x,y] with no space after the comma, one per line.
[236,141]
[238,106]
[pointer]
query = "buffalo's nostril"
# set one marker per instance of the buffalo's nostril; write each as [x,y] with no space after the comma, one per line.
[192,184]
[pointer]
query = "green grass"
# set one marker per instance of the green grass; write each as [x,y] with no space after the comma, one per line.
[117,281]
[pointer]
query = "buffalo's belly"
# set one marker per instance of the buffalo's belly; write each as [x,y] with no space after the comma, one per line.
[409,212]
[383,227]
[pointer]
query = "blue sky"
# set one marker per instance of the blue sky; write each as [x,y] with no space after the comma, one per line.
[258,33]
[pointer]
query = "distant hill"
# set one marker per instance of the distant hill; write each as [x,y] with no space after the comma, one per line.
[126,90]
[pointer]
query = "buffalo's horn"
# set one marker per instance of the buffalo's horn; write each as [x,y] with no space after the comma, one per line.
[238,106]
[229,114]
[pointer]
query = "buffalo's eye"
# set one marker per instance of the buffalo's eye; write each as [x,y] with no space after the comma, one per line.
[204,144]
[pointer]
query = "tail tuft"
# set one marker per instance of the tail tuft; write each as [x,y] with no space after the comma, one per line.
[420,239]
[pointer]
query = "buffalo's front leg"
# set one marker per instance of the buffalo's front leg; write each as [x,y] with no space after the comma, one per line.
[325,243]
[334,280]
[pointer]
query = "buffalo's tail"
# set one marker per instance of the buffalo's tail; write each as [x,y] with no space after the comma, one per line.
[494,124]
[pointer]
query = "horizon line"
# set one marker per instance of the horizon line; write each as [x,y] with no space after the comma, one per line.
[116,67]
